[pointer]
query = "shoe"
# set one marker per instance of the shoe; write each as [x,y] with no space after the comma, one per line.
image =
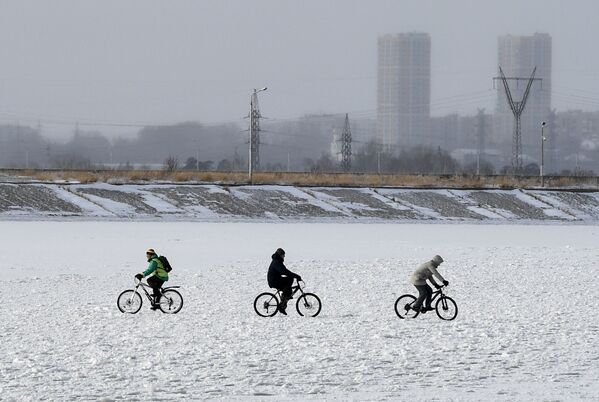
[282,310]
[155,307]
[425,309]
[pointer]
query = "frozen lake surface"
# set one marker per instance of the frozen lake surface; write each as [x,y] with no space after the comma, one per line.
[527,328]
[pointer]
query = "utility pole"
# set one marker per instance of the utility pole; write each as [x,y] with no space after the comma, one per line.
[543,124]
[254,152]
[346,146]
[517,108]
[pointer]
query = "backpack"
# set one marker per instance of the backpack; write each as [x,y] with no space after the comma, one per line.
[165,263]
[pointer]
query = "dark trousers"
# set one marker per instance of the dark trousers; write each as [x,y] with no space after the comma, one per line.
[155,283]
[425,293]
[284,285]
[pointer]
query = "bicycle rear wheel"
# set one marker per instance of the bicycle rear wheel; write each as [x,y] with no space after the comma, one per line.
[266,304]
[171,301]
[403,307]
[447,309]
[129,302]
[308,305]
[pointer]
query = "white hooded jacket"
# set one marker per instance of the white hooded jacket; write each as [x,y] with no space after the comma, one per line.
[424,272]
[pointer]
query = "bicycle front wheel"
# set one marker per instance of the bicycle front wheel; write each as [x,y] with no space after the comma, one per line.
[447,309]
[403,307]
[129,302]
[171,301]
[308,305]
[266,304]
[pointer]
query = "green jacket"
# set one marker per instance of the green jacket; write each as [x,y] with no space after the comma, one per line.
[156,268]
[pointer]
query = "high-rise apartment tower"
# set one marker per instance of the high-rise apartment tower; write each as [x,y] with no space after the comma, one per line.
[403,90]
[518,56]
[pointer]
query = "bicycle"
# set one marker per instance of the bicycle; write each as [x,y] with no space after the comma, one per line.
[446,307]
[130,300]
[308,304]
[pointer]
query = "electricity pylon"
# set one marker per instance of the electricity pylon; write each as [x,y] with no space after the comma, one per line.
[346,146]
[254,157]
[517,109]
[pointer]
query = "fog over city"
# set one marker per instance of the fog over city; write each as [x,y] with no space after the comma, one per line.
[109,74]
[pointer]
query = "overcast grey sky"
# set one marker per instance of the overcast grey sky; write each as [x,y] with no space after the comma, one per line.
[155,61]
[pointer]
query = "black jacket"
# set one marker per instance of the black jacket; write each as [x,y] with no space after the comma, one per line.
[277,269]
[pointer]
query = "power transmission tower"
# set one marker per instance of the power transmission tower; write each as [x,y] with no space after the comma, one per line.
[517,109]
[254,158]
[346,146]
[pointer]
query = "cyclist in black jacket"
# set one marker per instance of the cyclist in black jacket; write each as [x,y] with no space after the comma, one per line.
[279,277]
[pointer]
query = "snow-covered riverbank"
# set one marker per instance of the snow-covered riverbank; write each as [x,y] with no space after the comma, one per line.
[218,203]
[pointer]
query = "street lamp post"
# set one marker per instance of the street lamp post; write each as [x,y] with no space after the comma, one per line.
[252,117]
[543,139]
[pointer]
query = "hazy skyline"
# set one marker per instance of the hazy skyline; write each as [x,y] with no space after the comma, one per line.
[152,62]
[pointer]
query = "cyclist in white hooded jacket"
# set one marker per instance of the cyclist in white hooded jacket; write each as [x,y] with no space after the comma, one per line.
[426,272]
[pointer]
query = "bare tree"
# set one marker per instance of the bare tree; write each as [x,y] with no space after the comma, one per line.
[171,164]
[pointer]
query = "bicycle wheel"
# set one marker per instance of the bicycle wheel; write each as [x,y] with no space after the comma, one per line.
[447,309]
[266,304]
[171,301]
[129,302]
[308,305]
[403,307]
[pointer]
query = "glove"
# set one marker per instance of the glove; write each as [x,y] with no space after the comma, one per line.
[437,287]
[139,277]
[446,283]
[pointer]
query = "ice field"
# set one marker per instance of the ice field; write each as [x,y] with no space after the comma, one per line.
[527,328]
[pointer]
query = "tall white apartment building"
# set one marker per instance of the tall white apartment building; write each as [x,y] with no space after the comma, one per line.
[518,56]
[403,90]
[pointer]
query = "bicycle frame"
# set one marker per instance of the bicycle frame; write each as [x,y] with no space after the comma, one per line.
[438,292]
[143,286]
[435,294]
[294,290]
[145,289]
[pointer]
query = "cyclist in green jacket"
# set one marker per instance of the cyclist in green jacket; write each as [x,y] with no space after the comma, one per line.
[159,275]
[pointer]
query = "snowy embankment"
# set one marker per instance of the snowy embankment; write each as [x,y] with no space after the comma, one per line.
[287,203]
[527,328]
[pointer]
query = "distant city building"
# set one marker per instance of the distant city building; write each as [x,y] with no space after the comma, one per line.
[575,134]
[336,145]
[464,138]
[404,88]
[518,56]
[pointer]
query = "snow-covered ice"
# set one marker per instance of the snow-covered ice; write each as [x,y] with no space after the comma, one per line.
[527,328]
